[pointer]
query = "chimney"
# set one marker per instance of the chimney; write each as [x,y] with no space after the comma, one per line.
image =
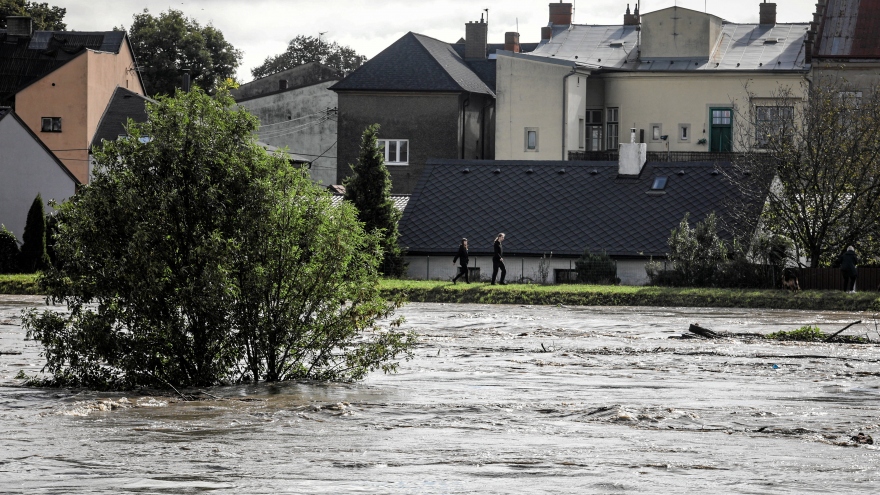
[475,39]
[511,42]
[19,26]
[546,33]
[631,156]
[560,14]
[631,19]
[768,13]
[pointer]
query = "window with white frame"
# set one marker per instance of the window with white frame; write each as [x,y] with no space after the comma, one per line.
[396,151]
[531,139]
[656,132]
[772,122]
[612,128]
[50,124]
[684,132]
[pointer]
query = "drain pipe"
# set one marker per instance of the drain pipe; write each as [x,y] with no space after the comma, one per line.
[565,108]
[466,103]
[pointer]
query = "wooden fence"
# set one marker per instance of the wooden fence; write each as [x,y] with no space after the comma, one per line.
[831,279]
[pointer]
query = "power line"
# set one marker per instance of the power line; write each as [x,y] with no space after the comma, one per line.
[298,118]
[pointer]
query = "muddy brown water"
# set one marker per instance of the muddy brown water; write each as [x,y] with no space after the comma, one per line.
[499,399]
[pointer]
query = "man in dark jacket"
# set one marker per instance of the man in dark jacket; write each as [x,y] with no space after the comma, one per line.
[848,262]
[462,256]
[498,260]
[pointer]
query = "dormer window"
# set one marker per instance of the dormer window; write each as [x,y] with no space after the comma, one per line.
[659,183]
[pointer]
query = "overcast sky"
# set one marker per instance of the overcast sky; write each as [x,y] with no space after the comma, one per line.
[262,28]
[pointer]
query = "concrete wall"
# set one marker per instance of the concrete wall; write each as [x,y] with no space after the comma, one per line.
[27,169]
[678,32]
[430,121]
[630,272]
[299,120]
[78,92]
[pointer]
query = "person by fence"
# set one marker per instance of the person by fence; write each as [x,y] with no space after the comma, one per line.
[848,263]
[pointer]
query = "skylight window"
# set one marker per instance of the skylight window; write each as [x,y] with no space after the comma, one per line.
[659,183]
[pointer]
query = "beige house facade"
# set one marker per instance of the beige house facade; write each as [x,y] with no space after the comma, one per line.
[686,81]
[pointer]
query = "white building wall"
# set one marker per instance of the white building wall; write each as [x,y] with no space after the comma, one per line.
[520,269]
[27,169]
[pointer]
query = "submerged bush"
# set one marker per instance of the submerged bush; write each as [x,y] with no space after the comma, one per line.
[805,333]
[196,258]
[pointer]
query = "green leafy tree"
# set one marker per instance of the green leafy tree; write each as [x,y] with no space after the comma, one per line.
[697,253]
[9,251]
[596,269]
[369,189]
[33,255]
[304,49]
[170,43]
[812,160]
[45,17]
[183,263]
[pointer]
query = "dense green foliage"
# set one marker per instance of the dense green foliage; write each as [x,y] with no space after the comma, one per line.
[805,333]
[368,188]
[33,255]
[170,43]
[596,269]
[45,17]
[812,162]
[9,251]
[304,49]
[194,258]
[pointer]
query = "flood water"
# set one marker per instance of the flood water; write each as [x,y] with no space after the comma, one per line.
[499,399]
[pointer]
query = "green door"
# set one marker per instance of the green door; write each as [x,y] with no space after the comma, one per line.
[721,129]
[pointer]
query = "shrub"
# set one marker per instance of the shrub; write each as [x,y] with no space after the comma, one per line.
[33,255]
[9,251]
[596,269]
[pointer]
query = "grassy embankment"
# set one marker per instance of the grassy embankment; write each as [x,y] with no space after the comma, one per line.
[588,295]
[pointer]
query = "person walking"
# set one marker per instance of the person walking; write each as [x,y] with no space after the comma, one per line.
[462,258]
[498,260]
[848,262]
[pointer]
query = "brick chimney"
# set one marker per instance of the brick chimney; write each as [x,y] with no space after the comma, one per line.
[475,39]
[546,33]
[768,13]
[560,14]
[511,42]
[631,19]
[19,26]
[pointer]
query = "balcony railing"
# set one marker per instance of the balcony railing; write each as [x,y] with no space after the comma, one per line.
[655,156]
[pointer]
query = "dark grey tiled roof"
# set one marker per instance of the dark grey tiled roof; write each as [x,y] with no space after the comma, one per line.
[123,105]
[23,61]
[415,63]
[542,209]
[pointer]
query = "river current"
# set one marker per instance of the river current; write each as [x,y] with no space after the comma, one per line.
[498,399]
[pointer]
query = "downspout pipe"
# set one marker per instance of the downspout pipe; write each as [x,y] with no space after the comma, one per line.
[464,104]
[565,108]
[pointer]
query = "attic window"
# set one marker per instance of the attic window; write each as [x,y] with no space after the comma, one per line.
[616,44]
[659,183]
[771,41]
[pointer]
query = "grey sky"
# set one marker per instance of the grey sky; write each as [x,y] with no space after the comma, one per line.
[262,28]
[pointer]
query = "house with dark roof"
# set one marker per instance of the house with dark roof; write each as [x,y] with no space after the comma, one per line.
[558,207]
[676,75]
[431,99]
[844,42]
[298,113]
[27,168]
[60,83]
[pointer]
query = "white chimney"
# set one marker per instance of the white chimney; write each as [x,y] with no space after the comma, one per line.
[632,156]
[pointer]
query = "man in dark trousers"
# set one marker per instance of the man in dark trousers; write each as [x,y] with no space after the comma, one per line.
[848,262]
[498,260]
[462,257]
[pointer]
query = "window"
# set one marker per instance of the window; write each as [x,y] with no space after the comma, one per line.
[51,124]
[656,132]
[770,122]
[659,183]
[684,132]
[531,139]
[396,151]
[594,130]
[612,128]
